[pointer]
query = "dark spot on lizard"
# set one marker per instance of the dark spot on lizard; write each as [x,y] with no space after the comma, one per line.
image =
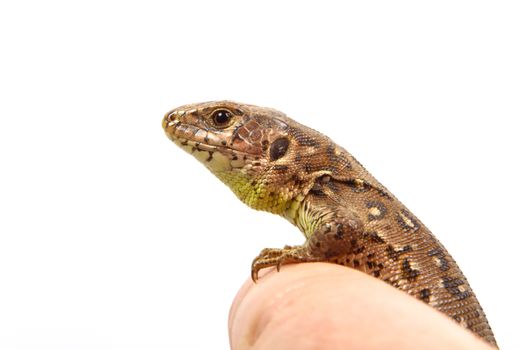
[441,258]
[394,254]
[265,145]
[455,287]
[424,295]
[383,193]
[279,148]
[360,185]
[356,263]
[408,272]
[407,221]
[376,210]
[223,143]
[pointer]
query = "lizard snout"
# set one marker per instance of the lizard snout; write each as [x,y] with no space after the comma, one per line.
[171,118]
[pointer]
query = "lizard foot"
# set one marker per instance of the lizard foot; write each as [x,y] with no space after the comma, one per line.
[276,257]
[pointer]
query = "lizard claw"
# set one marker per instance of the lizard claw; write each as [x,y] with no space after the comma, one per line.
[277,257]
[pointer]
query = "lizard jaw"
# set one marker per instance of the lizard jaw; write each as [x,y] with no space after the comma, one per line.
[235,172]
[213,157]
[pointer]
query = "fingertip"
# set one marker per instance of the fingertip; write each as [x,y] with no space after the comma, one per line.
[326,306]
[235,305]
[239,299]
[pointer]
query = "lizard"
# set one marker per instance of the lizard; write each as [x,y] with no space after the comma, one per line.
[273,163]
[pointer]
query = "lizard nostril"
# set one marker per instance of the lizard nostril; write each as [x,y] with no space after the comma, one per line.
[169,118]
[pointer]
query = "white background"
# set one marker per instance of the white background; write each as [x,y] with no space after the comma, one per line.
[112,238]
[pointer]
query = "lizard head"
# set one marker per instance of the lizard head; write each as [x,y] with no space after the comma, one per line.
[267,159]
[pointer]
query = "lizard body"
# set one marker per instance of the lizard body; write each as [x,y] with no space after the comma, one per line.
[275,164]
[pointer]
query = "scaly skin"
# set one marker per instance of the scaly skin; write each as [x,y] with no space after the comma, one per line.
[275,164]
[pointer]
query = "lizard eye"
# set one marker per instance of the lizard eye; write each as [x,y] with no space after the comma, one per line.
[221,118]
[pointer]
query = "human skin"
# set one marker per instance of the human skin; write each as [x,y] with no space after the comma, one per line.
[326,306]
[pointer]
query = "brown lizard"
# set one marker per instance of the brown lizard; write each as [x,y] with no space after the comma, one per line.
[275,164]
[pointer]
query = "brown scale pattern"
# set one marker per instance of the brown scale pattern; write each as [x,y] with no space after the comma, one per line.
[347,216]
[395,247]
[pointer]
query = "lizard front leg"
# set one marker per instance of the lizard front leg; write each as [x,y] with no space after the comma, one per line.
[335,236]
[276,257]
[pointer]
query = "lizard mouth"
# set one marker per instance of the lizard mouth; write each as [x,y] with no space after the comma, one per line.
[205,147]
[195,139]
[194,147]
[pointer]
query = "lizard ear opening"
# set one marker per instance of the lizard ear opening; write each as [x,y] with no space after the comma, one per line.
[279,148]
